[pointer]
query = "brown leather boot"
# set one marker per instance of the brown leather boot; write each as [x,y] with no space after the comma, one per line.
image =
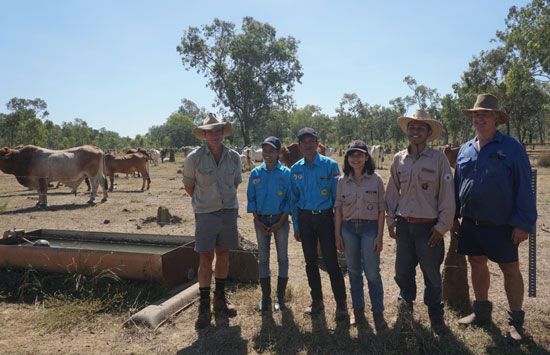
[222,306]
[379,322]
[481,315]
[205,315]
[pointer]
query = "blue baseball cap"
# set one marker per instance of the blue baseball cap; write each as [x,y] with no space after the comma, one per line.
[307,131]
[273,141]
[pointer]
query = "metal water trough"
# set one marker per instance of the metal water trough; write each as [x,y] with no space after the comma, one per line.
[167,259]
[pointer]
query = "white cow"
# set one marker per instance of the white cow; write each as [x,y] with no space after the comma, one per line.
[247,163]
[377,155]
[154,155]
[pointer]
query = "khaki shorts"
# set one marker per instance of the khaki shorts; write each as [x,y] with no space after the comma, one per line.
[216,229]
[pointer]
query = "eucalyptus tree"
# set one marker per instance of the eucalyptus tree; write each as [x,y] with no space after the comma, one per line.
[251,72]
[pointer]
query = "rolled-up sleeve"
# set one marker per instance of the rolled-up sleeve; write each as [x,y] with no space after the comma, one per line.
[189,168]
[446,204]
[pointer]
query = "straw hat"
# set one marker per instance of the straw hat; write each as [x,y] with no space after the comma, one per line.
[212,123]
[488,102]
[424,117]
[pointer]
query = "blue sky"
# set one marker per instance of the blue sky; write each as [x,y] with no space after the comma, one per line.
[114,63]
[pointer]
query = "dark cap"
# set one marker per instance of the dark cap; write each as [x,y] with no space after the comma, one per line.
[357,145]
[273,141]
[306,130]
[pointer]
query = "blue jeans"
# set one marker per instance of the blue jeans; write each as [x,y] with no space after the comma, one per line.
[413,249]
[360,257]
[264,246]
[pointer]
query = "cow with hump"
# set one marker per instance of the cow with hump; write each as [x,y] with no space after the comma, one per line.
[36,167]
[127,164]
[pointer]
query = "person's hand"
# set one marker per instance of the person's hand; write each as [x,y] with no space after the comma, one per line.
[519,236]
[262,227]
[297,236]
[435,238]
[378,245]
[391,231]
[275,227]
[339,243]
[455,227]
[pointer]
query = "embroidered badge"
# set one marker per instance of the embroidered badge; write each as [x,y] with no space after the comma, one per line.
[297,176]
[256,181]
[280,193]
[424,186]
[324,192]
[448,177]
[370,207]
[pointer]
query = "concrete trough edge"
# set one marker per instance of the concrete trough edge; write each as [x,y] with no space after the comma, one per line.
[154,315]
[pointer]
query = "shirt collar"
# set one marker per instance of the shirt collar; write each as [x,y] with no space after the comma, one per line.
[364,176]
[316,160]
[497,137]
[278,166]
[427,151]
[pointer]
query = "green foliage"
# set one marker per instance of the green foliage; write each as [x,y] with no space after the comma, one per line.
[251,72]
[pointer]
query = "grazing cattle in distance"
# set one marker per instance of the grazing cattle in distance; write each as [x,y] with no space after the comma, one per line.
[154,154]
[290,154]
[254,153]
[127,164]
[188,149]
[36,167]
[451,154]
[376,153]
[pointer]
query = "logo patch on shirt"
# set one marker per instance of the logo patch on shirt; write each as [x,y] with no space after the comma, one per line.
[297,176]
[324,178]
[256,181]
[448,177]
[424,186]
[370,207]
[280,192]
[324,192]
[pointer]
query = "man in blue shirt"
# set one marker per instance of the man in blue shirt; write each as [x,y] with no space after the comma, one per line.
[268,199]
[498,210]
[313,192]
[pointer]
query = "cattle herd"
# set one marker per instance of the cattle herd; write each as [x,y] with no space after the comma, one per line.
[37,168]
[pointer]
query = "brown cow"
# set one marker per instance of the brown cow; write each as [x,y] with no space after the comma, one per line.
[36,167]
[291,154]
[127,164]
[451,154]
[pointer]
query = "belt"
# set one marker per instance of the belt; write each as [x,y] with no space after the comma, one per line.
[270,215]
[480,223]
[362,220]
[418,220]
[226,210]
[317,212]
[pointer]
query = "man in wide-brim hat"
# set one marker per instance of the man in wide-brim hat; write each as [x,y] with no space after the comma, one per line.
[211,175]
[498,210]
[420,210]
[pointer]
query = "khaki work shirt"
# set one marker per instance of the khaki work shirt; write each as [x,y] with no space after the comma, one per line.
[361,199]
[215,184]
[421,188]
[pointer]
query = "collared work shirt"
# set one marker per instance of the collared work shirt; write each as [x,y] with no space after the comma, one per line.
[360,199]
[494,184]
[215,184]
[421,188]
[313,187]
[268,191]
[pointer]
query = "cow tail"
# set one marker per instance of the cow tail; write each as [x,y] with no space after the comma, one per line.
[103,170]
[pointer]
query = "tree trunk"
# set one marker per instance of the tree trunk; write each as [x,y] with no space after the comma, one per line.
[456,291]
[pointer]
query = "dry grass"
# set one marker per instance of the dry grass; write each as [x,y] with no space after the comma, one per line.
[544,160]
[288,332]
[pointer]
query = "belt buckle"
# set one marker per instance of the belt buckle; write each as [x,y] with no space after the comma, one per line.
[476,222]
[316,211]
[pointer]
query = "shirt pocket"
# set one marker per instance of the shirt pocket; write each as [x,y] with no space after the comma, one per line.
[427,180]
[465,165]
[206,176]
[349,198]
[324,184]
[404,174]
[498,166]
[370,201]
[280,190]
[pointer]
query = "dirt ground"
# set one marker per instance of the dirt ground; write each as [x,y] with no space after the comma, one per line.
[128,210]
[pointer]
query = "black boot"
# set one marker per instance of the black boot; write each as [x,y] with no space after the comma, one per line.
[205,315]
[481,315]
[265,303]
[515,322]
[281,290]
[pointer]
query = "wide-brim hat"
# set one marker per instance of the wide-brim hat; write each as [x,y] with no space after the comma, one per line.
[487,102]
[424,117]
[210,123]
